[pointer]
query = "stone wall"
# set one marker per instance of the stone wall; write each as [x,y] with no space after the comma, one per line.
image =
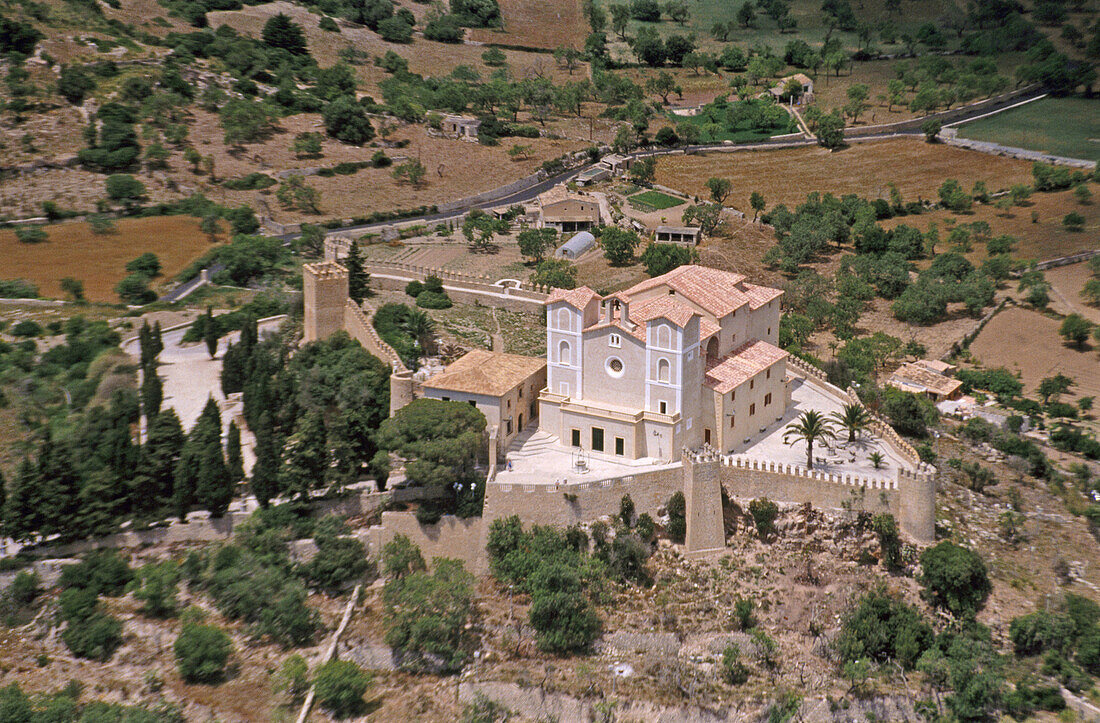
[568,504]
[953,115]
[358,323]
[462,288]
[462,539]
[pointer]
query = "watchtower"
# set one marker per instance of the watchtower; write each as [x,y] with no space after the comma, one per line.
[325,293]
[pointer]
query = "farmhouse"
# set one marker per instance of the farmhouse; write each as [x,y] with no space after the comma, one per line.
[567,212]
[683,235]
[780,87]
[928,377]
[683,359]
[616,163]
[504,387]
[592,175]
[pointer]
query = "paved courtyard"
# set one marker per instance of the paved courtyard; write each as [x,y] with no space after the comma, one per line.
[839,457]
[539,458]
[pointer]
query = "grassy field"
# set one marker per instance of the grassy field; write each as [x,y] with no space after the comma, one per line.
[1039,238]
[655,200]
[537,24]
[787,175]
[100,260]
[1061,126]
[1015,329]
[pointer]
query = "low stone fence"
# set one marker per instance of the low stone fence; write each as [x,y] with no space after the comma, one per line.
[1023,154]
[1067,260]
[493,194]
[463,288]
[359,325]
[953,115]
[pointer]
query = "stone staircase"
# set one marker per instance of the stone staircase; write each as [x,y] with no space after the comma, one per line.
[531,442]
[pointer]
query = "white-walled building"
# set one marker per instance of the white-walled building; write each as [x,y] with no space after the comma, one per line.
[677,361]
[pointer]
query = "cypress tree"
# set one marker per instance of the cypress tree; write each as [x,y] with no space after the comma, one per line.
[213,484]
[233,459]
[152,392]
[163,445]
[102,502]
[358,279]
[185,480]
[234,369]
[210,332]
[158,340]
[22,506]
[265,472]
[145,341]
[59,489]
[307,456]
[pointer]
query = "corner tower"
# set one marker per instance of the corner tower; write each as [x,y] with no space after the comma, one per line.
[324,295]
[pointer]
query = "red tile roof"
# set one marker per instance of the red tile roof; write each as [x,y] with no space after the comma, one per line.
[666,307]
[719,292]
[577,298]
[742,364]
[760,295]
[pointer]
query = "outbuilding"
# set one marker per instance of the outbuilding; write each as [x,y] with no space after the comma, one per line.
[576,246]
[682,235]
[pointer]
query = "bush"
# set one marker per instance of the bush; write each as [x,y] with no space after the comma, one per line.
[340,686]
[252,182]
[158,589]
[677,520]
[433,300]
[26,329]
[426,615]
[954,578]
[764,512]
[1041,632]
[338,562]
[103,572]
[734,671]
[24,588]
[413,288]
[95,637]
[564,622]
[201,653]
[882,628]
[31,234]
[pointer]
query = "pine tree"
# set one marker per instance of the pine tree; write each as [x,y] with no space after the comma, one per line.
[233,459]
[307,456]
[234,369]
[358,279]
[210,332]
[265,471]
[22,507]
[164,442]
[152,392]
[185,480]
[213,484]
[145,342]
[102,502]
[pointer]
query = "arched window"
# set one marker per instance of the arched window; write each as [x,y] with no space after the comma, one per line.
[564,356]
[663,370]
[664,337]
[563,319]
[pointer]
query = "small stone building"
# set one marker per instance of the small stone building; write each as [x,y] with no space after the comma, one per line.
[928,377]
[616,163]
[461,126]
[592,175]
[683,235]
[504,387]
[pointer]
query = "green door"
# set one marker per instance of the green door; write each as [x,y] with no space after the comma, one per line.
[576,440]
[597,439]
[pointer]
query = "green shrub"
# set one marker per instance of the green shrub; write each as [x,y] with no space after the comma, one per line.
[340,686]
[338,562]
[24,588]
[1042,631]
[252,182]
[882,628]
[26,329]
[157,589]
[426,617]
[677,520]
[734,671]
[564,622]
[413,288]
[954,578]
[433,300]
[95,637]
[202,652]
[764,512]
[103,572]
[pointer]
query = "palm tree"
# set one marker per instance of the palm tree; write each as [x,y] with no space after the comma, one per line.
[854,418]
[420,326]
[811,426]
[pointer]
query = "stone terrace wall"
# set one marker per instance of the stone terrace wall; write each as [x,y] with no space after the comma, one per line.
[462,288]
[548,504]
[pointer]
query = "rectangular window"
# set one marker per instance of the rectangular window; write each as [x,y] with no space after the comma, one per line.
[507,426]
[662,407]
[689,423]
[752,409]
[597,439]
[446,399]
[768,374]
[615,340]
[767,399]
[752,383]
[620,446]
[563,389]
[733,418]
[472,403]
[576,438]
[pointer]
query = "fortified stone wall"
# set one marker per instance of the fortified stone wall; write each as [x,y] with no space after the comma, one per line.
[324,295]
[359,326]
[462,539]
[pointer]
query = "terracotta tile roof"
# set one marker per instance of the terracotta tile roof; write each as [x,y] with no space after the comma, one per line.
[719,292]
[577,298]
[914,377]
[486,372]
[760,295]
[741,364]
[661,307]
